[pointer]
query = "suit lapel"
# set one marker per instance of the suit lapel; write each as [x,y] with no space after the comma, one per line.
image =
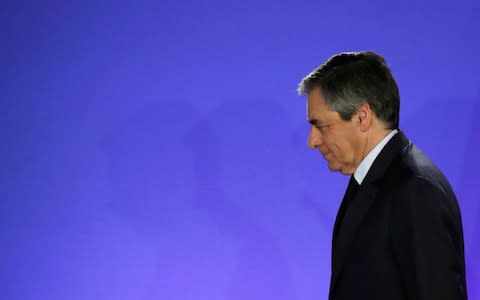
[361,203]
[352,220]
[352,188]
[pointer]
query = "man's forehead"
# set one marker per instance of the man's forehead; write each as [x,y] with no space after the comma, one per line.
[317,110]
[314,117]
[315,103]
[315,98]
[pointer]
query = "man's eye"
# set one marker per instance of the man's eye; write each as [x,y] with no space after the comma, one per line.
[322,128]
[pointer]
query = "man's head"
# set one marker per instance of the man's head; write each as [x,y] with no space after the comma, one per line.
[353,102]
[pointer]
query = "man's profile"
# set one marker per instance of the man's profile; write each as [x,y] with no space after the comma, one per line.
[398,232]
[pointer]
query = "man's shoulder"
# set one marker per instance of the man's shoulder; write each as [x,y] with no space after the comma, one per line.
[413,168]
[414,163]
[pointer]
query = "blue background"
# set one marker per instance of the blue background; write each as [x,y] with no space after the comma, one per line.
[157,150]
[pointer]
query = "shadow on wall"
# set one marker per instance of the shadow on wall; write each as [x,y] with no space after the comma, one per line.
[150,174]
[239,169]
[148,166]
[168,163]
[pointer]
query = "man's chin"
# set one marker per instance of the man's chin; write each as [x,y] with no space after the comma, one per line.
[336,168]
[333,167]
[344,172]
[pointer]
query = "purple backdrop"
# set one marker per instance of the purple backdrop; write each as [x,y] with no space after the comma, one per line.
[157,150]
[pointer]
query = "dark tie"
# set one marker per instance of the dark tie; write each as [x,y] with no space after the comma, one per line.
[352,189]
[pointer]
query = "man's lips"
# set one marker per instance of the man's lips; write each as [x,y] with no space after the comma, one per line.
[325,154]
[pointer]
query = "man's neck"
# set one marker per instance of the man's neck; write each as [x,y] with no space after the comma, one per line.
[373,138]
[364,166]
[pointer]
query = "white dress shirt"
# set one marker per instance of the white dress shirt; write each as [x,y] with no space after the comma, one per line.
[367,162]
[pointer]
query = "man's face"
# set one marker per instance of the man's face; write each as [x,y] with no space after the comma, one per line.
[339,141]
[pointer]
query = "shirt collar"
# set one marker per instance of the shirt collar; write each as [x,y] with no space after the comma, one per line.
[367,162]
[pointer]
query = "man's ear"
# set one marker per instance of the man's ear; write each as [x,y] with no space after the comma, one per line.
[364,117]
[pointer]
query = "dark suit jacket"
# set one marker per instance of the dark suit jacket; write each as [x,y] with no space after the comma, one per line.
[401,235]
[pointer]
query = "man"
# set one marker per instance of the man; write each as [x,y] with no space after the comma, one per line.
[398,232]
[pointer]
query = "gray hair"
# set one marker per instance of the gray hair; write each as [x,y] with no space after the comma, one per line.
[349,79]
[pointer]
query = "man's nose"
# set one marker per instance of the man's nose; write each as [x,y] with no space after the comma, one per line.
[314,138]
